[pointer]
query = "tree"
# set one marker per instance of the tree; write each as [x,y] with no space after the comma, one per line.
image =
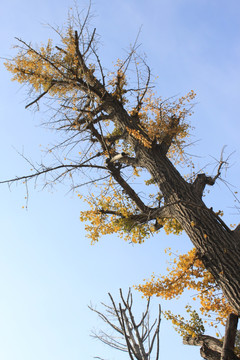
[125,133]
[138,338]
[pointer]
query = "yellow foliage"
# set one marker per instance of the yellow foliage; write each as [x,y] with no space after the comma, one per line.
[111,213]
[118,82]
[171,226]
[136,134]
[45,67]
[188,272]
[192,327]
[160,119]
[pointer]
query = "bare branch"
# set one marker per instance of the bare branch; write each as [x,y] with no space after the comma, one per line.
[45,170]
[202,180]
[127,188]
[90,42]
[39,97]
[103,317]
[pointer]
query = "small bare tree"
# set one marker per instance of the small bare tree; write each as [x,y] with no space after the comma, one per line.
[139,339]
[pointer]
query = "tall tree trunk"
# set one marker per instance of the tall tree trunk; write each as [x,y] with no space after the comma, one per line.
[217,246]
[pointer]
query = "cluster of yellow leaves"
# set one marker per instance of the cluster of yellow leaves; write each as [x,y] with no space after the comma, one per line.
[161,119]
[116,219]
[158,118]
[188,272]
[118,82]
[171,226]
[193,326]
[50,68]
[39,68]
[136,134]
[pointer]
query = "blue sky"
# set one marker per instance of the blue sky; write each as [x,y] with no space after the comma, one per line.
[49,273]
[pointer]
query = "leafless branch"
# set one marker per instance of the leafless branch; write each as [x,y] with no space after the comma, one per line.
[202,179]
[39,97]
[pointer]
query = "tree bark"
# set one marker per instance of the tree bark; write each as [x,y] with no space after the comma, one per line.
[216,244]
